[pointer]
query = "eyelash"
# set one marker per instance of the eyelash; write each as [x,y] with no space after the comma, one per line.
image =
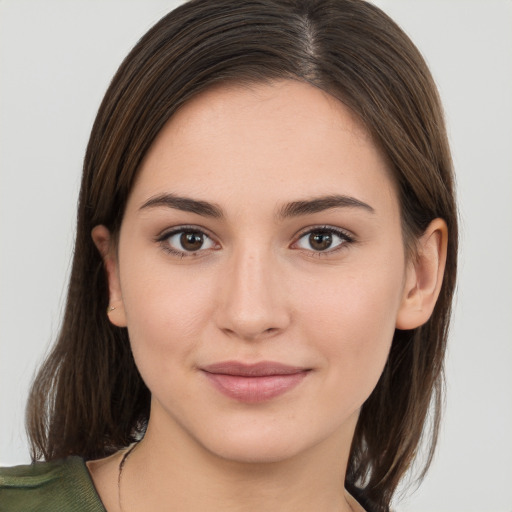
[345,238]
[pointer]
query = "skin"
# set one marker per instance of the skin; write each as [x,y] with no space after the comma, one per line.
[257,290]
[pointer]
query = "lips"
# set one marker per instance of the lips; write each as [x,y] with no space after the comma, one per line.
[254,383]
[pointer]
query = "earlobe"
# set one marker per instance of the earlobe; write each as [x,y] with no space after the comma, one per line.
[105,245]
[424,277]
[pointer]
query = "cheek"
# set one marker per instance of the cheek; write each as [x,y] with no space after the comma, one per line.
[165,313]
[352,319]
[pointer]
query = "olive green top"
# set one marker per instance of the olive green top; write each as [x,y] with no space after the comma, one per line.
[58,486]
[64,485]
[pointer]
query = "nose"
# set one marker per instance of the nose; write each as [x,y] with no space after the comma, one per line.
[252,297]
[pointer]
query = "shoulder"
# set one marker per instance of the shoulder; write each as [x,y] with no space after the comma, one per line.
[58,486]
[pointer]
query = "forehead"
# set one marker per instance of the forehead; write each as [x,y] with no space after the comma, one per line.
[275,141]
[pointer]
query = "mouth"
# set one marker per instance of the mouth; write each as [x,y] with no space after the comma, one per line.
[252,383]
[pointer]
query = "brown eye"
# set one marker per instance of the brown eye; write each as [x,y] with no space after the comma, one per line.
[320,240]
[182,242]
[191,240]
[325,239]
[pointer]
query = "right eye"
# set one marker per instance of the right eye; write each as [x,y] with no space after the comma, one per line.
[186,242]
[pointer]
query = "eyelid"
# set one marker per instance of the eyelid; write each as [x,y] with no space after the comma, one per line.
[167,232]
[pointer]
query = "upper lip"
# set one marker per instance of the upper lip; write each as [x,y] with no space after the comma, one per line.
[260,369]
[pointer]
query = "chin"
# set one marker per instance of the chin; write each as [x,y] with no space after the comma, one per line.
[257,451]
[265,443]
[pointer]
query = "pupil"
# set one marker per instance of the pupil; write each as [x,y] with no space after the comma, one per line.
[191,241]
[320,240]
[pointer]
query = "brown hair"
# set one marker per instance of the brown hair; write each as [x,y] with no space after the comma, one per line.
[88,398]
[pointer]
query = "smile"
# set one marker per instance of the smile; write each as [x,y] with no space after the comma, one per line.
[254,382]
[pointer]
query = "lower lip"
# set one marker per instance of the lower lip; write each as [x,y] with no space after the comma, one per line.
[254,389]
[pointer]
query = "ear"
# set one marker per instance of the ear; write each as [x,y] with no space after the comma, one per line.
[424,277]
[106,246]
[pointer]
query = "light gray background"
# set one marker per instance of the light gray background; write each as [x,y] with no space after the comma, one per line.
[56,59]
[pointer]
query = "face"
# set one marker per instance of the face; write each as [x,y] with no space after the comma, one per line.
[260,271]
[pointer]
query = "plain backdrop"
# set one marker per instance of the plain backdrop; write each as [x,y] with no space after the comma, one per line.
[56,60]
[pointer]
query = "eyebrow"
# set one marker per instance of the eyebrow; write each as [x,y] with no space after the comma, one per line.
[185,204]
[319,204]
[293,209]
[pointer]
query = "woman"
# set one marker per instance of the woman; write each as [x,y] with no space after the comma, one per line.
[263,271]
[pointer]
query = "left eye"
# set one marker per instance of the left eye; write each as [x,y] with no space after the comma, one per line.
[189,241]
[322,240]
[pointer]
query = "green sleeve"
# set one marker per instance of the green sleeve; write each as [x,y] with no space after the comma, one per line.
[57,486]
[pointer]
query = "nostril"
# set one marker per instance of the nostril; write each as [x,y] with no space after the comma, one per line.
[251,334]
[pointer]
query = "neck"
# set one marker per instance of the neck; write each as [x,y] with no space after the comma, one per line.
[170,471]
